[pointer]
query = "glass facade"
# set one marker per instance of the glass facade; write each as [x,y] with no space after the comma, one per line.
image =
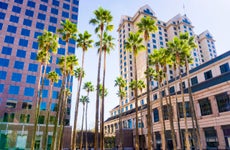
[21,22]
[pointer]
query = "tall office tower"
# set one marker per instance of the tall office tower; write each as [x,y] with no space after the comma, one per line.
[166,32]
[21,22]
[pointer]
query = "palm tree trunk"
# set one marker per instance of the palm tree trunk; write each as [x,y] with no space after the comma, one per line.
[149,118]
[163,139]
[64,110]
[197,140]
[102,105]
[47,118]
[82,124]
[136,107]
[56,121]
[187,143]
[86,137]
[74,137]
[120,125]
[170,114]
[178,114]
[97,96]
[62,116]
[39,99]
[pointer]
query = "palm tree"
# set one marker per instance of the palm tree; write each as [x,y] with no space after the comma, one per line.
[102,21]
[176,48]
[67,65]
[47,42]
[134,45]
[165,62]
[83,100]
[85,42]
[88,86]
[53,77]
[147,26]
[68,31]
[191,45]
[120,82]
[155,59]
[107,46]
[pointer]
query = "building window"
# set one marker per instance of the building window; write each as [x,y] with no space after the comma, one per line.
[25,32]
[24,118]
[223,102]
[226,130]
[31,4]
[3,5]
[165,112]
[53,20]
[6,50]
[21,53]
[36,34]
[27,22]
[27,104]
[42,7]
[224,68]
[55,95]
[66,6]
[28,91]
[31,79]
[52,29]
[1,89]
[74,9]
[53,107]
[2,16]
[3,75]
[33,56]
[14,19]
[55,3]
[4,62]
[155,115]
[41,16]
[9,39]
[18,1]
[8,117]
[16,77]
[54,11]
[187,107]
[172,90]
[44,93]
[211,137]
[74,17]
[41,119]
[155,96]
[43,106]
[131,106]
[23,42]
[14,89]
[16,9]
[40,25]
[18,65]
[35,45]
[33,67]
[29,13]
[194,80]
[205,107]
[65,14]
[208,75]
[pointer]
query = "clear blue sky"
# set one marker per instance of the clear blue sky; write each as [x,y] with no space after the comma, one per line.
[204,14]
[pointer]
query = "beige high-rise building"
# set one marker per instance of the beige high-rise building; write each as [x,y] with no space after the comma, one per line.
[166,31]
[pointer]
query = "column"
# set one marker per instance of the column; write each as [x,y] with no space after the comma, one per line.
[220,135]
[214,106]
[203,139]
